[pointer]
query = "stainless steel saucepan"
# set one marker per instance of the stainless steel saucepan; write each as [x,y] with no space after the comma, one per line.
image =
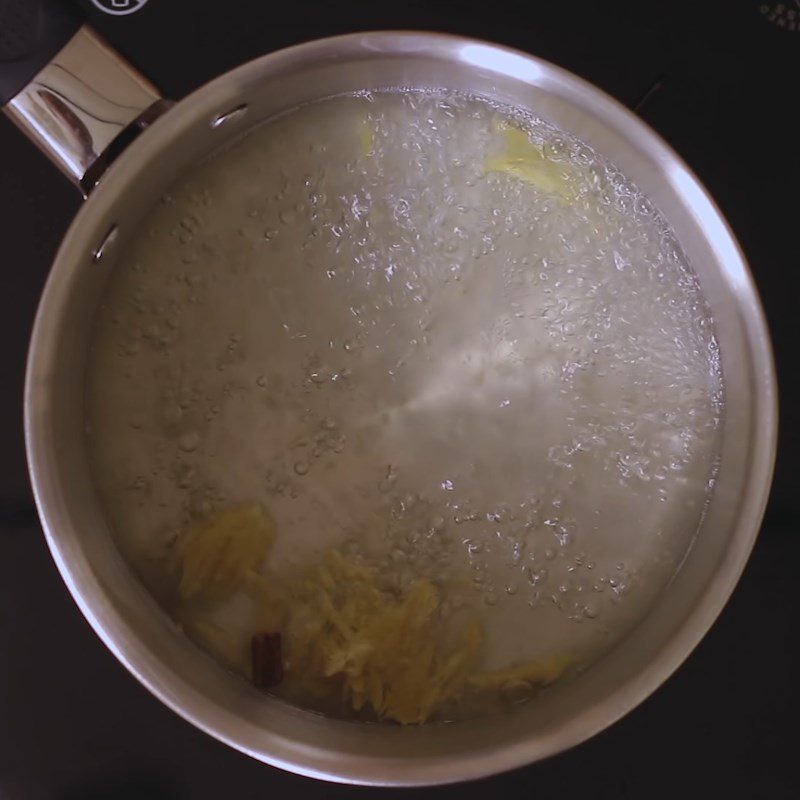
[84,100]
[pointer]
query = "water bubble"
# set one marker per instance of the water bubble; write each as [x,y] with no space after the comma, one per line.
[301,467]
[320,375]
[189,441]
[389,479]
[473,546]
[437,524]
[409,501]
[516,691]
[536,576]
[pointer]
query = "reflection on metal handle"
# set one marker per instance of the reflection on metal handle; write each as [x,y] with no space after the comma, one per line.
[80,103]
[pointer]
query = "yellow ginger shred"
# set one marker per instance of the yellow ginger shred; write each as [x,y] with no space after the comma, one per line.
[348,637]
[522,159]
[216,555]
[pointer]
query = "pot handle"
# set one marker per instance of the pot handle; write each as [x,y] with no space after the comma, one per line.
[67,90]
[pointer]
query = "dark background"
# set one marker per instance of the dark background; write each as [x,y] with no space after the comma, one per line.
[74,724]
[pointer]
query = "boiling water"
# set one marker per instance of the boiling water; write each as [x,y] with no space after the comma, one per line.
[443,368]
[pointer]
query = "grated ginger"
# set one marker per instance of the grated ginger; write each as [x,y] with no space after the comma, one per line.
[523,160]
[216,555]
[347,637]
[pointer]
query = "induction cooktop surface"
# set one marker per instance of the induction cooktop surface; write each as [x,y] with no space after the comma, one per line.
[719,81]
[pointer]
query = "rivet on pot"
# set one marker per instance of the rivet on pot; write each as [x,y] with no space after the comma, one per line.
[228,116]
[105,243]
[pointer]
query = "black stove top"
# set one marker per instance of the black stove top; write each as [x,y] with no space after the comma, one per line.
[719,80]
